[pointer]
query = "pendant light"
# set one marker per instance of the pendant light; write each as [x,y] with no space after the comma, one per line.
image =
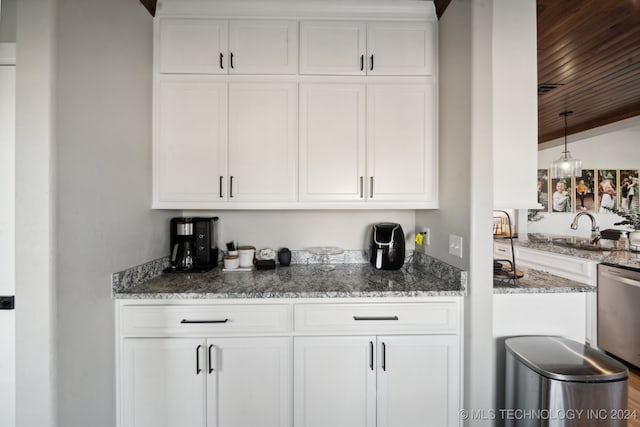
[566,166]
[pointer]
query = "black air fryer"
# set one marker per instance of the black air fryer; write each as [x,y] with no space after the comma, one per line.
[386,251]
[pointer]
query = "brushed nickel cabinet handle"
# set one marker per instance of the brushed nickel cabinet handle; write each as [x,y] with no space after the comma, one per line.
[231,186]
[375,318]
[221,178]
[371,187]
[362,187]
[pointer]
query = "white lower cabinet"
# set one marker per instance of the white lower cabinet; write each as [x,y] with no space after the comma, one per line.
[289,364]
[214,382]
[335,382]
[383,381]
[160,385]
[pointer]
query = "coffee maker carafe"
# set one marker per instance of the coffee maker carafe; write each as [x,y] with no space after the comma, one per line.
[193,244]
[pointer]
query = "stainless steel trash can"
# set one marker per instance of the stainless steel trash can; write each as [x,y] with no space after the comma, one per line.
[553,381]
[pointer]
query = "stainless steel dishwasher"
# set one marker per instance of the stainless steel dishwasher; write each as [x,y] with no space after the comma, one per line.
[619,312]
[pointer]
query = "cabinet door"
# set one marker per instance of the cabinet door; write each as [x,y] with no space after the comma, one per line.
[418,381]
[401,148]
[193,46]
[332,141]
[263,141]
[335,382]
[333,47]
[400,48]
[263,47]
[249,382]
[163,382]
[190,149]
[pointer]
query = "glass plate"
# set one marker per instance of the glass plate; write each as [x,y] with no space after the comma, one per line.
[325,252]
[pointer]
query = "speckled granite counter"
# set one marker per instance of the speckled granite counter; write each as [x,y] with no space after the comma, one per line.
[565,245]
[296,281]
[536,282]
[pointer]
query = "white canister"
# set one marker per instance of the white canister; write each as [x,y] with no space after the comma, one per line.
[231,262]
[246,255]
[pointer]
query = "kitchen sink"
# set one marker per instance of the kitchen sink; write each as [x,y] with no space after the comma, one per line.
[585,244]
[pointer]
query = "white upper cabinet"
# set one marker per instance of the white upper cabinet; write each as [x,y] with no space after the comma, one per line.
[263,141]
[213,46]
[400,48]
[333,47]
[374,48]
[263,47]
[193,46]
[295,105]
[190,145]
[401,145]
[332,141]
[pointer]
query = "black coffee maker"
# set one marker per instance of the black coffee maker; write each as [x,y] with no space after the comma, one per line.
[386,251]
[193,244]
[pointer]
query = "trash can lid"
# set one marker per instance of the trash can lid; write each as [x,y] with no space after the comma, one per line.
[565,360]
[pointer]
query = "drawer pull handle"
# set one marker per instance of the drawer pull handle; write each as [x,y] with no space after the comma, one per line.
[204,321]
[198,370]
[375,318]
[211,369]
[384,357]
[371,355]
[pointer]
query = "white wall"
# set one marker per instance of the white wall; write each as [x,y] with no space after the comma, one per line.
[7,238]
[303,229]
[613,150]
[104,221]
[466,193]
[454,139]
[515,104]
[35,215]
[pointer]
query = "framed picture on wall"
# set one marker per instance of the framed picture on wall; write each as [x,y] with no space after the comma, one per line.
[543,189]
[607,189]
[629,190]
[561,197]
[584,186]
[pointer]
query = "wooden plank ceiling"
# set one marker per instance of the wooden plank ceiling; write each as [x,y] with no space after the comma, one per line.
[592,49]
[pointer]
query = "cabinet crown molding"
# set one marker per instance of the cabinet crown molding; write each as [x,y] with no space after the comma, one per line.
[414,10]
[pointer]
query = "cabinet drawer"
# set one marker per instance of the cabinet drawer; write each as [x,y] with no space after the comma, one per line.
[207,320]
[439,317]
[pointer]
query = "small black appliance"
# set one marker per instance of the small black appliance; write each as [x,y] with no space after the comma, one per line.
[193,244]
[386,251]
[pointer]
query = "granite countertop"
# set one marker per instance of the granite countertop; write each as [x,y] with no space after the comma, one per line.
[571,246]
[295,281]
[537,282]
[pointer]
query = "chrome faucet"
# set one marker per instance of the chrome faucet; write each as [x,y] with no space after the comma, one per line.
[595,231]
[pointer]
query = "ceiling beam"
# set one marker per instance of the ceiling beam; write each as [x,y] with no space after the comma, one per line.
[150,5]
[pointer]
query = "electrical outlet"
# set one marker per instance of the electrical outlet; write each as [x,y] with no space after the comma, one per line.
[426,232]
[455,245]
